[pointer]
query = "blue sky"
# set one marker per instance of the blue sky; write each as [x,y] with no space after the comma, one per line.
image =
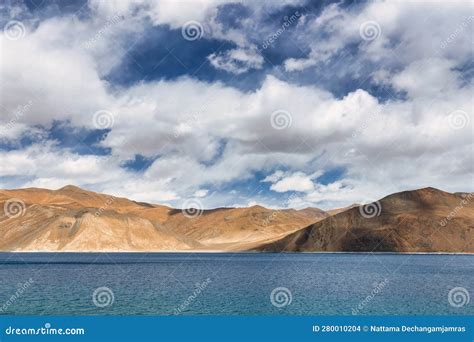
[288,103]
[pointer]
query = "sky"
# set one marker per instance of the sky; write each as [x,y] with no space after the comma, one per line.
[289,103]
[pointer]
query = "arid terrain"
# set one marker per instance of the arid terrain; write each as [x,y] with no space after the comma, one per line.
[74,219]
[424,220]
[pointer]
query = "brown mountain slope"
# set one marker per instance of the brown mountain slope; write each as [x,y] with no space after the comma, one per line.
[74,197]
[240,228]
[336,211]
[424,220]
[74,219]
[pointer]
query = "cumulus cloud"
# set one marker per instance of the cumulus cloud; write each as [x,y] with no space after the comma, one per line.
[384,34]
[160,12]
[202,136]
[297,181]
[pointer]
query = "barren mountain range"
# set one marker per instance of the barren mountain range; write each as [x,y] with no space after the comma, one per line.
[74,219]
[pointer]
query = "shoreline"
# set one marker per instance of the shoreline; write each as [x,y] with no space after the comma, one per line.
[229,252]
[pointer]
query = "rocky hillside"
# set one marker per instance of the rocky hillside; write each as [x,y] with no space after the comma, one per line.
[425,220]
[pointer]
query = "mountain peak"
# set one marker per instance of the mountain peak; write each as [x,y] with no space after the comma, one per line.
[257,207]
[429,189]
[70,188]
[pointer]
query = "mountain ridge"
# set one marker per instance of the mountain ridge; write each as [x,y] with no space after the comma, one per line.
[419,220]
[75,219]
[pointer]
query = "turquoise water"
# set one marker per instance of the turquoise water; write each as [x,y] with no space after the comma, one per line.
[233,284]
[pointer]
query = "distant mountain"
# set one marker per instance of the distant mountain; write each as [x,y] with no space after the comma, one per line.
[333,212]
[74,219]
[424,220]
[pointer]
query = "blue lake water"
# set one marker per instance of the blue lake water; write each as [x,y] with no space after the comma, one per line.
[234,284]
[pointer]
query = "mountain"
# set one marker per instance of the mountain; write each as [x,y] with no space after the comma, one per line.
[333,212]
[424,220]
[74,219]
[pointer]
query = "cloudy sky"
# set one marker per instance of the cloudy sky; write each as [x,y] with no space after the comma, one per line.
[286,103]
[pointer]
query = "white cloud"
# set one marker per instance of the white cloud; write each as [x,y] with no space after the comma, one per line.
[201,193]
[438,77]
[237,61]
[207,134]
[297,181]
[444,33]
[160,12]
[384,139]
[274,177]
[298,64]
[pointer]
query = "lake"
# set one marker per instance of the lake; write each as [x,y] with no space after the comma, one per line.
[235,284]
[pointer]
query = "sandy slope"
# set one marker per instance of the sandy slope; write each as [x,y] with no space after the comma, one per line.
[73,219]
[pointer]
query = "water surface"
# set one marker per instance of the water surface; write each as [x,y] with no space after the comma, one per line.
[233,284]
